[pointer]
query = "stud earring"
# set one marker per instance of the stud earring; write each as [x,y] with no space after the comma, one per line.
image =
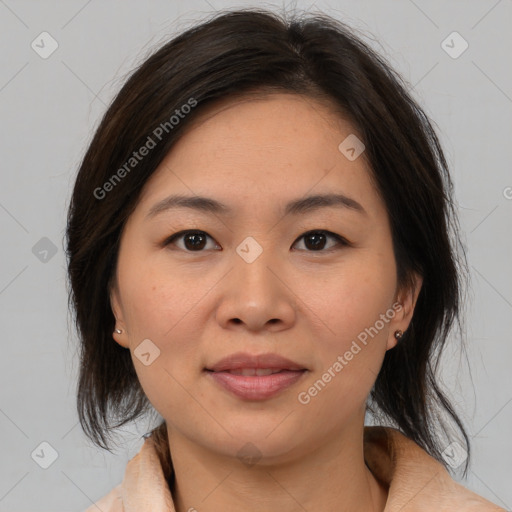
[398,334]
[119,331]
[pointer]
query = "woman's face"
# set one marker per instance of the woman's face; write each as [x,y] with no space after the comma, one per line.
[246,282]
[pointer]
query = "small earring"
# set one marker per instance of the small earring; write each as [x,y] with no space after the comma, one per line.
[119,331]
[398,334]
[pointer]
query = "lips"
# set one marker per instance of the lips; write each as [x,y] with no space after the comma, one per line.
[240,361]
[251,372]
[255,377]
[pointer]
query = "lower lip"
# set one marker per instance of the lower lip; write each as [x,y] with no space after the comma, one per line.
[257,387]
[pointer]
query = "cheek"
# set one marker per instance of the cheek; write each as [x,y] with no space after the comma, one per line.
[156,300]
[348,307]
[354,297]
[163,310]
[351,339]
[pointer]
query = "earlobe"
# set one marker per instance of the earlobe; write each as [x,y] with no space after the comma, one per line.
[119,335]
[407,302]
[395,339]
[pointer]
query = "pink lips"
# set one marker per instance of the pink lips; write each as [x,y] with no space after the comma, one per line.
[255,377]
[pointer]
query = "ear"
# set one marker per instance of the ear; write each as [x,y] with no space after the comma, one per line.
[405,302]
[115,304]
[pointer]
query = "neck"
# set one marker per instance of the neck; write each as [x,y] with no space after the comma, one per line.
[332,477]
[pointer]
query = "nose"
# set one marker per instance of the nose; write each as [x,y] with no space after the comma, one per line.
[256,297]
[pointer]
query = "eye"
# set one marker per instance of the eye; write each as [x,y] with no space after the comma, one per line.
[317,240]
[314,241]
[193,241]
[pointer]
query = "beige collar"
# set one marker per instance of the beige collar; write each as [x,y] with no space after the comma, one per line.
[416,482]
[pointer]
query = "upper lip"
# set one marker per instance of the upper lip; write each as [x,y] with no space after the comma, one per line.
[242,360]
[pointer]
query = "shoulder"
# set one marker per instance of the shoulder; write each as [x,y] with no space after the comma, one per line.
[144,486]
[471,502]
[416,481]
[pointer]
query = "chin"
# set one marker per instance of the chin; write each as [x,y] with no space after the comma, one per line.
[265,438]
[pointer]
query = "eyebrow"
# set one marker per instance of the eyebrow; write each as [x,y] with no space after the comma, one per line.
[295,207]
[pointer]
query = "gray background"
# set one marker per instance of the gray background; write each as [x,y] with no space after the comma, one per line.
[49,110]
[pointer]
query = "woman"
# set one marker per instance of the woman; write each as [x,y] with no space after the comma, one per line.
[262,224]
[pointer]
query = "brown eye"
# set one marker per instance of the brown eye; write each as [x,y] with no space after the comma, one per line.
[192,241]
[317,240]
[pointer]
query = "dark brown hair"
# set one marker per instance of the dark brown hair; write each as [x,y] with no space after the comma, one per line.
[229,55]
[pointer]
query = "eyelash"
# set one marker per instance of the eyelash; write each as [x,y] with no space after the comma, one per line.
[342,242]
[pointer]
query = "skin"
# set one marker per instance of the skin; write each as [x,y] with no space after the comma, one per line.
[255,155]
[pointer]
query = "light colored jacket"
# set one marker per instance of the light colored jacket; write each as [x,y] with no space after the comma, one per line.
[416,481]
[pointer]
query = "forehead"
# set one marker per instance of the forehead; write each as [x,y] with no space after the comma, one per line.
[276,147]
[265,127]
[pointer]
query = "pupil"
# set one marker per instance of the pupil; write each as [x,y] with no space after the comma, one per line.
[194,241]
[318,241]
